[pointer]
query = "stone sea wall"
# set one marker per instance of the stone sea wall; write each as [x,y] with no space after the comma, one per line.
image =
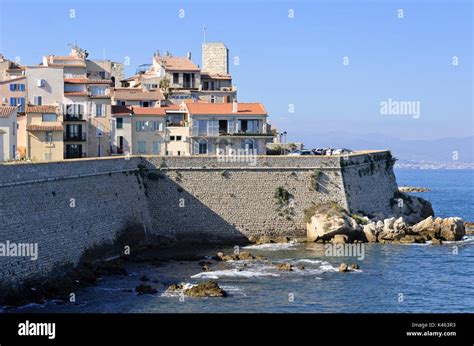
[69,207]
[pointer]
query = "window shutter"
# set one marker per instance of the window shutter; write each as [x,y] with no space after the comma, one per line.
[195,128]
[12,101]
[22,87]
[183,138]
[209,147]
[11,87]
[195,147]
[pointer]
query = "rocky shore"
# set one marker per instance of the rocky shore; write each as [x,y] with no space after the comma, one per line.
[412,189]
[412,221]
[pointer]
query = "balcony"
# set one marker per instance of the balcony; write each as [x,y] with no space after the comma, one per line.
[74,155]
[74,117]
[74,136]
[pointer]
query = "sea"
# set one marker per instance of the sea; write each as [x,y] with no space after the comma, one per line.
[392,278]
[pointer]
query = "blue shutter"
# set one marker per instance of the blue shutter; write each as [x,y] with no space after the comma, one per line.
[195,147]
[12,101]
[22,87]
[11,87]
[22,104]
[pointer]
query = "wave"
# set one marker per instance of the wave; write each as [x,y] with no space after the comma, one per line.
[236,273]
[272,246]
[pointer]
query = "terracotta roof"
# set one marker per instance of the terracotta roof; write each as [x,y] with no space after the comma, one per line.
[142,111]
[41,109]
[216,75]
[137,94]
[12,80]
[99,81]
[226,108]
[75,93]
[50,127]
[6,111]
[176,63]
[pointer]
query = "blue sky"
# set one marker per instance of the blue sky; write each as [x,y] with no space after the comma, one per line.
[285,61]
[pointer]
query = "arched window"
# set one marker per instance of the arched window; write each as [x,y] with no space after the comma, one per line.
[222,147]
[248,144]
[202,146]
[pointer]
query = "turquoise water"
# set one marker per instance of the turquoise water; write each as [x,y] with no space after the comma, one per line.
[392,278]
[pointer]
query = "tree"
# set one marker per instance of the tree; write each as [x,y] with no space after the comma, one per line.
[165,87]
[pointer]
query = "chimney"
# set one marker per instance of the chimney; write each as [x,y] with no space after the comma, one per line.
[235,106]
[189,55]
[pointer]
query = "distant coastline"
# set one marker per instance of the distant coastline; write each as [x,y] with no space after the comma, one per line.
[434,165]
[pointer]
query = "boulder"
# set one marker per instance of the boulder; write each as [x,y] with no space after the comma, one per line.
[435,241]
[370,232]
[286,267]
[390,235]
[328,220]
[343,268]
[354,266]
[340,239]
[244,255]
[451,229]
[412,208]
[206,289]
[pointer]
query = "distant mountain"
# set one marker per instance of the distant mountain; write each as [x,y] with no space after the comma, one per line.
[439,150]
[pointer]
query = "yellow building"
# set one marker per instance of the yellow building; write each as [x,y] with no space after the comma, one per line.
[40,133]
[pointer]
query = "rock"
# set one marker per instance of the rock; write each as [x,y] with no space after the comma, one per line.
[175,287]
[388,224]
[260,258]
[408,239]
[435,241]
[206,289]
[413,209]
[230,258]
[205,268]
[412,189]
[328,220]
[343,267]
[370,232]
[301,267]
[244,255]
[452,229]
[282,239]
[340,239]
[264,240]
[145,289]
[379,226]
[218,256]
[399,224]
[285,267]
[390,235]
[353,266]
[144,278]
[112,267]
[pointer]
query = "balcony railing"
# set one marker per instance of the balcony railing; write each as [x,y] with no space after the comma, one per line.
[74,155]
[73,117]
[74,136]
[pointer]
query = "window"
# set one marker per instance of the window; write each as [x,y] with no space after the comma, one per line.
[172,138]
[48,136]
[122,103]
[47,156]
[140,126]
[99,110]
[17,87]
[73,88]
[178,138]
[179,153]
[18,101]
[119,123]
[169,153]
[141,147]
[96,91]
[175,78]
[202,127]
[144,103]
[213,99]
[49,117]
[156,126]
[38,100]
[248,144]
[202,146]
[205,85]
[156,147]
[101,74]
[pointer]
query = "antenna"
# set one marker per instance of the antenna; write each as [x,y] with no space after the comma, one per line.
[204,32]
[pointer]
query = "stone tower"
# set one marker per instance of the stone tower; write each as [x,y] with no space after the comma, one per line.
[215,58]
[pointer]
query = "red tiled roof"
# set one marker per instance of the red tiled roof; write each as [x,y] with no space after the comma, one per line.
[137,94]
[99,81]
[41,109]
[226,108]
[6,111]
[216,75]
[176,63]
[76,80]
[49,127]
[12,80]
